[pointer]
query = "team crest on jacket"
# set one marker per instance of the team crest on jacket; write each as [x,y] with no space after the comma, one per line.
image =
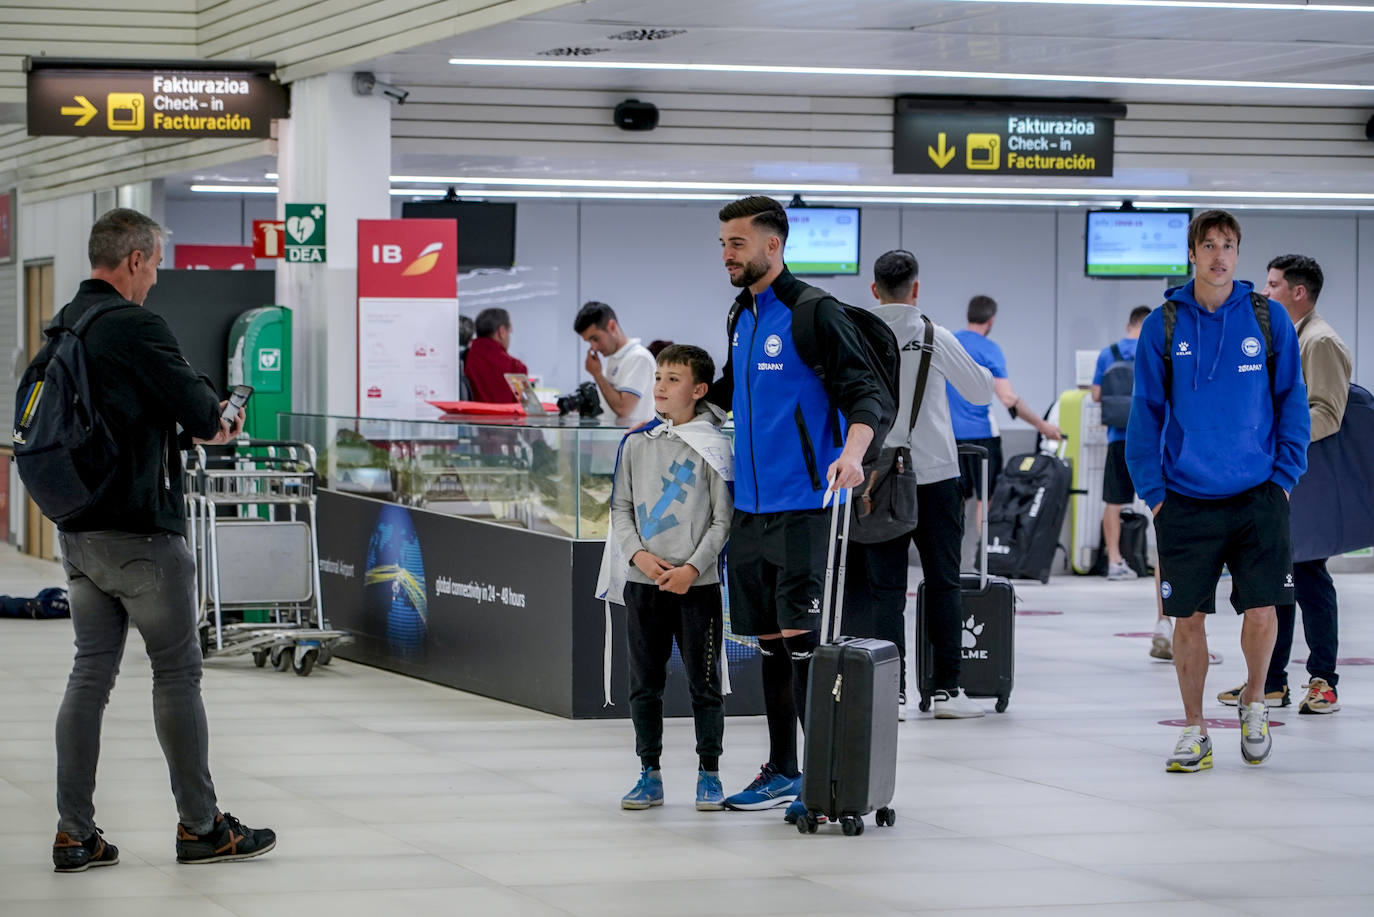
[1250,347]
[773,345]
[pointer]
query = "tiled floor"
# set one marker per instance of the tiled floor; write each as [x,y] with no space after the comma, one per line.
[392,796]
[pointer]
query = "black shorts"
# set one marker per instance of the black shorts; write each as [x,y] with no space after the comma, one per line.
[1116,477]
[776,567]
[970,475]
[1248,533]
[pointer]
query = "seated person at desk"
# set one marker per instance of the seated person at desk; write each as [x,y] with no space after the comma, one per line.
[488,359]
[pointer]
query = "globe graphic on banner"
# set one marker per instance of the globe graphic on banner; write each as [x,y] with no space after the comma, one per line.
[395,582]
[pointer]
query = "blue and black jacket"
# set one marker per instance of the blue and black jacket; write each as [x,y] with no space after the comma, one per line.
[789,423]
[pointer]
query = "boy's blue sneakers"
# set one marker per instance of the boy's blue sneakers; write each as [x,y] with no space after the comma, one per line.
[647,792]
[769,789]
[710,794]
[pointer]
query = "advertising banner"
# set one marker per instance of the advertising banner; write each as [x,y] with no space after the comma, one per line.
[407,317]
[491,609]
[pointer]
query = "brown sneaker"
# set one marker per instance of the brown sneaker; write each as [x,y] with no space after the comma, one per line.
[227,840]
[1321,698]
[1271,698]
[71,855]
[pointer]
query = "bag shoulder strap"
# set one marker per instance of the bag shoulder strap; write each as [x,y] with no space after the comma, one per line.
[88,318]
[927,349]
[1260,303]
[1116,355]
[1170,322]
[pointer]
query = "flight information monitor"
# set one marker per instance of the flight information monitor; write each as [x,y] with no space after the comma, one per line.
[1137,243]
[823,240]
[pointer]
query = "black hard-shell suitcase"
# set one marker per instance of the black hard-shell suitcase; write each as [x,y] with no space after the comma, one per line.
[1027,513]
[850,759]
[988,637]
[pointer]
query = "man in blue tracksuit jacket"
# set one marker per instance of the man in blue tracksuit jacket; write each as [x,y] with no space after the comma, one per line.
[1216,452]
[796,435]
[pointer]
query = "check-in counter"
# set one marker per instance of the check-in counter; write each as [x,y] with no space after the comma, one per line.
[465,551]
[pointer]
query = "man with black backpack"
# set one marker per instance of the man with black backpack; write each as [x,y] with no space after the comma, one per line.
[125,551]
[809,397]
[1216,441]
[1112,385]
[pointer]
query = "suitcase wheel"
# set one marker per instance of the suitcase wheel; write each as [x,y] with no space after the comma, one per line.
[852,825]
[885,817]
[1001,706]
[924,705]
[808,823]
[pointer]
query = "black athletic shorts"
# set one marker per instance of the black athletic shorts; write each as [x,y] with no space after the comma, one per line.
[970,474]
[776,567]
[1248,533]
[1116,477]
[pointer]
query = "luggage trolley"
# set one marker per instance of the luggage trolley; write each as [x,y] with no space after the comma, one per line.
[253,532]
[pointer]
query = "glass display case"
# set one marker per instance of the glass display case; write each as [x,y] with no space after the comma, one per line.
[545,474]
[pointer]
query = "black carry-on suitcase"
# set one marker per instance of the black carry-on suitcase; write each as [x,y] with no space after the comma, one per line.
[850,761]
[1027,514]
[988,635]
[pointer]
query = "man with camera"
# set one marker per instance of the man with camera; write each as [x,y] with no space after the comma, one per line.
[625,382]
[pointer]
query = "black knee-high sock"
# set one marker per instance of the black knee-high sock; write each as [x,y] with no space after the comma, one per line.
[780,706]
[799,650]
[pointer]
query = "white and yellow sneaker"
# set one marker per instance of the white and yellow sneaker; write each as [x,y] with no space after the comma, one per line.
[1255,741]
[1192,752]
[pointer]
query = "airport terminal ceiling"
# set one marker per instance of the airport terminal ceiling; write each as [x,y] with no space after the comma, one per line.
[508,120]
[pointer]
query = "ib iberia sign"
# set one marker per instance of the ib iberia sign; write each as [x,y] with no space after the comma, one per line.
[78,97]
[407,317]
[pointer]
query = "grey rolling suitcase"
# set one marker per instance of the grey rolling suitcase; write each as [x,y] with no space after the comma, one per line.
[850,759]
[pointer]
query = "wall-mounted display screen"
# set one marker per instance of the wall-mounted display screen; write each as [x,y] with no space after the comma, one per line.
[486,231]
[823,240]
[1137,243]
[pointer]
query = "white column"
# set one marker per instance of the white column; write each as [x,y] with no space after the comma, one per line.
[335,149]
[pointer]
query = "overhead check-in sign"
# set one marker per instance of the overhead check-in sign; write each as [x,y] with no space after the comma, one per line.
[85,98]
[958,136]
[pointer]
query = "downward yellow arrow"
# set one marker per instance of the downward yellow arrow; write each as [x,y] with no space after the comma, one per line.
[940,157]
[84,110]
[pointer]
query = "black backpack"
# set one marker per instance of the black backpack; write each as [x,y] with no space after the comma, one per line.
[1118,381]
[880,349]
[63,448]
[50,603]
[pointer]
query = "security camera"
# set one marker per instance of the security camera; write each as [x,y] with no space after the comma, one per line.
[366,83]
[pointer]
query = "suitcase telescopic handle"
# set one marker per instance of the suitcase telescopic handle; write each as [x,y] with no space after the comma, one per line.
[982,453]
[832,602]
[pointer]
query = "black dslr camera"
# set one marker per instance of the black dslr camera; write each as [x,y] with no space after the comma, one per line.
[584,401]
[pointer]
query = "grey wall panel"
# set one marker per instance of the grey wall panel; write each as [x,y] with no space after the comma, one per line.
[1010,255]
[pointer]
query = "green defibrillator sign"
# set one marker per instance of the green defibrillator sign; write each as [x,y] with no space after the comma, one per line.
[305,242]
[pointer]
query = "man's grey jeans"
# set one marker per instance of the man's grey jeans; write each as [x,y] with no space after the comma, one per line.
[115,577]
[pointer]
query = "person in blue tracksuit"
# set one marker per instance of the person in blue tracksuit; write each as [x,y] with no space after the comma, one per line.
[796,435]
[1215,450]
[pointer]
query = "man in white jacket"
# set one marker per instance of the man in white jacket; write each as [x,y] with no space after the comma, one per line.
[877,573]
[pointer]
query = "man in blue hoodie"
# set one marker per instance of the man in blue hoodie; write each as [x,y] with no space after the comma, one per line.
[1217,438]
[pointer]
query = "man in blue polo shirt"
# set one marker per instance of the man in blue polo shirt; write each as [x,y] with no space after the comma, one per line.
[974,423]
[1117,490]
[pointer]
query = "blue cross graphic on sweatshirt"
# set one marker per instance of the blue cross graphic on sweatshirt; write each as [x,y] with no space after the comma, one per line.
[652,522]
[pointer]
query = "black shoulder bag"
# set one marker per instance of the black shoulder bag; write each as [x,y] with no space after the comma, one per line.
[884,505]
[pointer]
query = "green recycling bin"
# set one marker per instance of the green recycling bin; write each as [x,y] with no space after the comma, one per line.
[260,356]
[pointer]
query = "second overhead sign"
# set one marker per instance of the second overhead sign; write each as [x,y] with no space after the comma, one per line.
[1003,137]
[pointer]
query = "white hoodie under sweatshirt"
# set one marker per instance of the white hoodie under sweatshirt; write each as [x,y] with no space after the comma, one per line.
[933,451]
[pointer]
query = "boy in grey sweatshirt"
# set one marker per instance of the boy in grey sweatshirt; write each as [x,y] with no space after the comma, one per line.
[670,516]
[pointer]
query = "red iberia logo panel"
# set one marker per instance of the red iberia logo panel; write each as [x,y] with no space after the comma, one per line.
[408,259]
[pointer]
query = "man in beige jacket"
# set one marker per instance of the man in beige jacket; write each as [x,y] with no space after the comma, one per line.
[1296,282]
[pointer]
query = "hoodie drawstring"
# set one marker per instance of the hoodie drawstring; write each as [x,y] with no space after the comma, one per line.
[1220,345]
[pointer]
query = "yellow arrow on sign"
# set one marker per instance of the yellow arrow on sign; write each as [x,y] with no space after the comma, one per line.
[84,110]
[942,156]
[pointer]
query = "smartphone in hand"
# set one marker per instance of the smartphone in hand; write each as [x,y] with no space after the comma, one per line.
[237,399]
